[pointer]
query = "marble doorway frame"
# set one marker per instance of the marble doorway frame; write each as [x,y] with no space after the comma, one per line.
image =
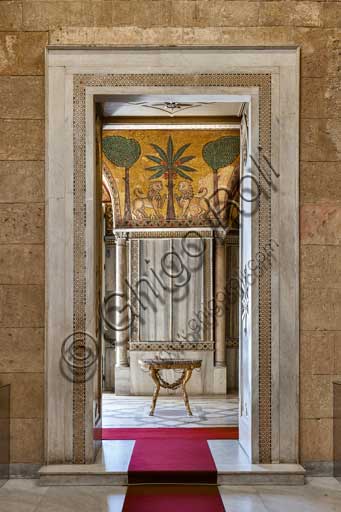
[75,77]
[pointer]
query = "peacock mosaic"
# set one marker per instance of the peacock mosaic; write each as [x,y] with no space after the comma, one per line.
[171,177]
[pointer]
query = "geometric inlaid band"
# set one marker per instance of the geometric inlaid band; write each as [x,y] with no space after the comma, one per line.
[212,80]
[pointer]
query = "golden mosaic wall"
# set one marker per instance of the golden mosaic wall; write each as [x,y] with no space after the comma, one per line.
[171,180]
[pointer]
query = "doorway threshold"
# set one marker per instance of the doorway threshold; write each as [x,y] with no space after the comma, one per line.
[111,468]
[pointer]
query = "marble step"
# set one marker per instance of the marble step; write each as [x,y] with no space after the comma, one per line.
[97,474]
[112,462]
[263,474]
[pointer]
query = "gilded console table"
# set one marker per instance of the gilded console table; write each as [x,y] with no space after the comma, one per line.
[154,366]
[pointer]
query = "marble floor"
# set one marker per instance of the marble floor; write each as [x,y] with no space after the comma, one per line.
[133,411]
[318,495]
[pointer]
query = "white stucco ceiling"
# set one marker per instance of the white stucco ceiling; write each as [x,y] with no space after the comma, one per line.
[156,106]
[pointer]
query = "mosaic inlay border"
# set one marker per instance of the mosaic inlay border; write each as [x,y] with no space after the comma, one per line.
[80,83]
[232,342]
[165,345]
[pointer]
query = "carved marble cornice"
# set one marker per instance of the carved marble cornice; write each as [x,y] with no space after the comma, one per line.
[231,238]
[142,234]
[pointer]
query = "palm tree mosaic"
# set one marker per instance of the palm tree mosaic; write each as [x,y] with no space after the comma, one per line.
[170,163]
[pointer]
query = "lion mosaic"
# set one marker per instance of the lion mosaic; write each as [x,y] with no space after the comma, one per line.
[193,206]
[148,206]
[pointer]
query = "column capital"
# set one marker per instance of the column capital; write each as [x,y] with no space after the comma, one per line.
[220,236]
[121,237]
[226,237]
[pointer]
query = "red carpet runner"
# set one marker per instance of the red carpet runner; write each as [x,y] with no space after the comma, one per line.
[166,433]
[173,461]
[172,456]
[163,498]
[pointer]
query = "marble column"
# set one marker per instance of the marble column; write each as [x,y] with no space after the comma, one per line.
[220,293]
[122,370]
[121,309]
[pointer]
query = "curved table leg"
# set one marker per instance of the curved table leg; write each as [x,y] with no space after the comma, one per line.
[155,376]
[183,385]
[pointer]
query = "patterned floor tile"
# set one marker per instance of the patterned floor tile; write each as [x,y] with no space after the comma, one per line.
[132,411]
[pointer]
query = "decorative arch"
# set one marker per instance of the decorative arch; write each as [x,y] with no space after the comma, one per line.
[111,186]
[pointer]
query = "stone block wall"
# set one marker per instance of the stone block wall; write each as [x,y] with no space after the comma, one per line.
[26,26]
